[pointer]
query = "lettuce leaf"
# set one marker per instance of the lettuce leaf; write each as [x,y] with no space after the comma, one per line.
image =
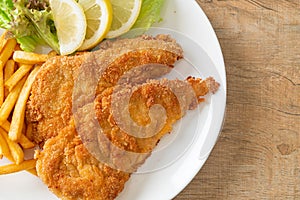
[149,14]
[6,6]
[30,21]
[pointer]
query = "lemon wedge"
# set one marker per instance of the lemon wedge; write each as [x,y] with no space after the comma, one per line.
[125,13]
[98,15]
[70,23]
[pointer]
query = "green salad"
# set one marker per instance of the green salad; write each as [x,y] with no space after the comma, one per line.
[31,21]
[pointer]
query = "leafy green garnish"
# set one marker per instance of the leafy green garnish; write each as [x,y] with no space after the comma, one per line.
[6,6]
[30,21]
[149,14]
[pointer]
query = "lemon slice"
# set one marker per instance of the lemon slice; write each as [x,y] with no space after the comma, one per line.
[98,15]
[125,13]
[70,23]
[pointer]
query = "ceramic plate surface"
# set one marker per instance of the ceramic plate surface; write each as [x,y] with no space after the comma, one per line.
[180,155]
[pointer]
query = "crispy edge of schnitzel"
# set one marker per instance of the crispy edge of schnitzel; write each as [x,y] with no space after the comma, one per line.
[65,165]
[175,96]
[71,172]
[50,104]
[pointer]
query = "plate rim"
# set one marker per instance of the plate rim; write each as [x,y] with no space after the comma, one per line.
[214,55]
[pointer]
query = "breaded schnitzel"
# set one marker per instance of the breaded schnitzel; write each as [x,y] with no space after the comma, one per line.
[98,117]
[127,118]
[72,172]
[50,105]
[49,108]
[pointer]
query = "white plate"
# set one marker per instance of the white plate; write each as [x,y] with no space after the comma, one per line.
[203,57]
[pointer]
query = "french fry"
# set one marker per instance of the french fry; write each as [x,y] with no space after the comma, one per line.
[2,146]
[29,57]
[8,72]
[52,54]
[19,111]
[25,142]
[10,101]
[32,171]
[7,51]
[4,38]
[9,69]
[24,127]
[28,133]
[15,85]
[5,148]
[6,125]
[11,168]
[7,44]
[15,149]
[1,87]
[17,76]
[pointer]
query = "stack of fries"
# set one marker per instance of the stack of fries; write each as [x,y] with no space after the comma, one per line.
[18,70]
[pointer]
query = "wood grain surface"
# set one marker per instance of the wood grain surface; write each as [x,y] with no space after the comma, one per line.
[258,153]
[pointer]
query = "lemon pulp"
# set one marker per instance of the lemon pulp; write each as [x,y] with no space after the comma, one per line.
[125,13]
[98,15]
[70,23]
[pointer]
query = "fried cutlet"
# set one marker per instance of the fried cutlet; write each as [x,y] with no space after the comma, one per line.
[72,171]
[135,118]
[50,105]
[49,108]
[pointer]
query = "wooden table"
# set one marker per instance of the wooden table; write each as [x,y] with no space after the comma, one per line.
[258,153]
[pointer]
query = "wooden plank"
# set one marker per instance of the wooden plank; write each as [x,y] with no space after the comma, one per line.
[258,153]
